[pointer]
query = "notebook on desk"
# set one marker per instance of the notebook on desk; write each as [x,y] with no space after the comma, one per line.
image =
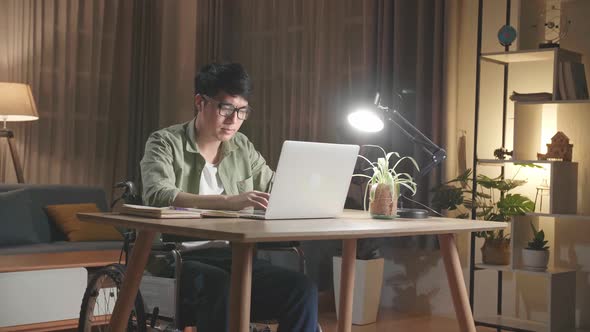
[311,181]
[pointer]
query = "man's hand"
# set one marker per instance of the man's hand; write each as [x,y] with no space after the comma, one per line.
[256,199]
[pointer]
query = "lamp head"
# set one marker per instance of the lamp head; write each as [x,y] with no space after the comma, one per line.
[368,118]
[17,102]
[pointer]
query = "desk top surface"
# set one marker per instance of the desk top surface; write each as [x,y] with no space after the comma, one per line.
[351,224]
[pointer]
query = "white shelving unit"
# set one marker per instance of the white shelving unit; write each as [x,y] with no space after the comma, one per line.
[533,125]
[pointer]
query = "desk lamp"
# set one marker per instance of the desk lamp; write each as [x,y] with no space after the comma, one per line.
[372,120]
[16,104]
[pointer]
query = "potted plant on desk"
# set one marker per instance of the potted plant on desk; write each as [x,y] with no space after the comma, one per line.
[536,255]
[368,280]
[385,183]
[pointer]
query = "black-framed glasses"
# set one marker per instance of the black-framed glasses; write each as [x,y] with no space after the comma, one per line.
[227,110]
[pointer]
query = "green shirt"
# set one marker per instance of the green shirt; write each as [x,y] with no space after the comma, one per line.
[172,163]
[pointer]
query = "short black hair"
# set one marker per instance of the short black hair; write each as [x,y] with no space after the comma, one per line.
[229,77]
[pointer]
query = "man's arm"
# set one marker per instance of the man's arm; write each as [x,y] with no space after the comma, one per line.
[257,199]
[157,172]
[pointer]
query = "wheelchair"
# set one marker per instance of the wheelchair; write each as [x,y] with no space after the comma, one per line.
[157,302]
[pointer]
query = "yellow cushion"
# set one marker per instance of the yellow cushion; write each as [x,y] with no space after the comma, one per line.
[64,216]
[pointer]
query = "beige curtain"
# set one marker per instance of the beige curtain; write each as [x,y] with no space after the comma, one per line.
[144,85]
[311,61]
[75,56]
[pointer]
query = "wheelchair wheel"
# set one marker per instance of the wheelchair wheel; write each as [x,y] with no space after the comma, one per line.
[99,301]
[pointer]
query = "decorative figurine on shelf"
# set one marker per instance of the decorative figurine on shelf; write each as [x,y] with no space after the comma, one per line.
[501,153]
[559,149]
[506,35]
[553,24]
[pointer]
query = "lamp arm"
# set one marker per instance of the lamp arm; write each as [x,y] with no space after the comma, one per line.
[436,153]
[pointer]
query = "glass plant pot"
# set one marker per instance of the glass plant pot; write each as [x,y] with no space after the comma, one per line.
[383,201]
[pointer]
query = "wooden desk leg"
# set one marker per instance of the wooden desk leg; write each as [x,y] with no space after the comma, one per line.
[241,283]
[448,248]
[137,261]
[346,285]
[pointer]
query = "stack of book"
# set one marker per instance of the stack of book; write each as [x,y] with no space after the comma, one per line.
[172,212]
[571,81]
[168,212]
[538,96]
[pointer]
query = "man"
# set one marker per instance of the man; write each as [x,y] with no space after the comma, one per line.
[206,163]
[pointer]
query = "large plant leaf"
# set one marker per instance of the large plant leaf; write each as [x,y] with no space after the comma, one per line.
[503,185]
[487,182]
[448,197]
[515,205]
[531,165]
[465,177]
[507,185]
[483,195]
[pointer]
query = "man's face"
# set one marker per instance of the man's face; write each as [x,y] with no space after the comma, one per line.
[210,123]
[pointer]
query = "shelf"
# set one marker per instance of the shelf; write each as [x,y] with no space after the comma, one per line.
[512,161]
[558,102]
[524,325]
[559,216]
[526,55]
[503,268]
[507,268]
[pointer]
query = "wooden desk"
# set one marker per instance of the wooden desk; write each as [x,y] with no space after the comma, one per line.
[243,234]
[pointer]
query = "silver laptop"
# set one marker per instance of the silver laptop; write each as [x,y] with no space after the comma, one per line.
[311,181]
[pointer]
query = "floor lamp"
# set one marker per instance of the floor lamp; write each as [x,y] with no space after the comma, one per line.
[16,104]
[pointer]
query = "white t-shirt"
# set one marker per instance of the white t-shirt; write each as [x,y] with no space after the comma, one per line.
[210,183]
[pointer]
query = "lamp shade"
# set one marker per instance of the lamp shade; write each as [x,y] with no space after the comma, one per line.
[17,103]
[366,120]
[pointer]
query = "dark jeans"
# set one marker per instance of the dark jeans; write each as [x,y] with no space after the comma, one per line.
[277,293]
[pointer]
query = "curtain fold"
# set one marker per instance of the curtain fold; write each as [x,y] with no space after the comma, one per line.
[209,32]
[144,91]
[68,51]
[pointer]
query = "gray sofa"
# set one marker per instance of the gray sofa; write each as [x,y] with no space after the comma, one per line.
[33,232]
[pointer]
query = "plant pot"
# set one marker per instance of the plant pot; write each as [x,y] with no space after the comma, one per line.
[535,259]
[383,201]
[496,252]
[368,279]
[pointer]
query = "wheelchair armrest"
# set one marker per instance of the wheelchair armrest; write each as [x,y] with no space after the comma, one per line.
[165,246]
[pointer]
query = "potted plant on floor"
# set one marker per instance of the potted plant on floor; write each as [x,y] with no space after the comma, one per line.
[385,182]
[368,280]
[494,202]
[536,255]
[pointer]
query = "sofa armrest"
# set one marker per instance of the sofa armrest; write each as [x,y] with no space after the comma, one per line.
[58,260]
